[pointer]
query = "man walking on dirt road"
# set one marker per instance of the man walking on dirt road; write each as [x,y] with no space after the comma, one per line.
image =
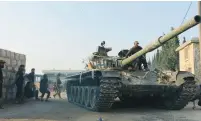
[44,87]
[58,87]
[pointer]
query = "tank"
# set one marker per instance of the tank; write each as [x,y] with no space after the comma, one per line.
[109,77]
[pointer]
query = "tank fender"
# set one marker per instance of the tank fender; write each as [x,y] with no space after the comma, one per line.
[110,74]
[181,75]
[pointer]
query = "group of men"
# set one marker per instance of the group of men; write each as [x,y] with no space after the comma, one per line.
[141,60]
[44,88]
[19,81]
[28,89]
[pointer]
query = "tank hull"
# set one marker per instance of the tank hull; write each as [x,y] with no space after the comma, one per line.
[96,90]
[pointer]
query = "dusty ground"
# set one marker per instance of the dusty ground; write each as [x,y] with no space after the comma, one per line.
[61,110]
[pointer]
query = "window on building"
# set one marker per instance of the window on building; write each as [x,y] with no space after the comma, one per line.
[186,53]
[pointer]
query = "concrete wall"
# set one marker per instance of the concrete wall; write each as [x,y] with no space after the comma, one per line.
[189,57]
[186,58]
[196,58]
[13,61]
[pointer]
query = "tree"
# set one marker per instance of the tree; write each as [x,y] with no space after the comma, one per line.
[157,58]
[171,57]
[167,58]
[149,62]
[153,63]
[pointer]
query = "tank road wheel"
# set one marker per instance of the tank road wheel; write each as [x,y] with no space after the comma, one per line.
[93,98]
[183,96]
[68,91]
[71,94]
[82,96]
[98,98]
[77,94]
[86,97]
[74,94]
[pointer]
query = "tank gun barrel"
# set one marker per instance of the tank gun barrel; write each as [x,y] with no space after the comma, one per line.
[161,40]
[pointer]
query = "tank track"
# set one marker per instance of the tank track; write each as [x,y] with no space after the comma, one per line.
[183,96]
[96,98]
[187,92]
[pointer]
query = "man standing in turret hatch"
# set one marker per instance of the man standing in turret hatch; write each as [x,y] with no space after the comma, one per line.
[102,50]
[142,59]
[103,44]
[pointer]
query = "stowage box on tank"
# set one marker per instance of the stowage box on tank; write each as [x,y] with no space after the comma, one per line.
[108,77]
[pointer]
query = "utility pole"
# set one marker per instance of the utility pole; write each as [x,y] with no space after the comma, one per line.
[199,26]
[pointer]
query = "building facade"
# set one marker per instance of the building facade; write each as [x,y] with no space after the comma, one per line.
[189,56]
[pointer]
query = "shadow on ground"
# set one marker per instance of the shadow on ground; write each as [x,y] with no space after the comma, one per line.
[61,110]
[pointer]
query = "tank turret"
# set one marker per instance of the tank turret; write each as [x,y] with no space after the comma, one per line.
[100,59]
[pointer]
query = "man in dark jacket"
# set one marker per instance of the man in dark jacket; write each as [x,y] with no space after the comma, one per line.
[142,59]
[44,87]
[1,80]
[31,77]
[19,81]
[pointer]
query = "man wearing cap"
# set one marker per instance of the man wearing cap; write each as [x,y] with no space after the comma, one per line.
[135,49]
[19,81]
[31,77]
[1,79]
[104,49]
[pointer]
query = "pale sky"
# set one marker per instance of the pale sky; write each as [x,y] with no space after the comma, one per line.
[60,34]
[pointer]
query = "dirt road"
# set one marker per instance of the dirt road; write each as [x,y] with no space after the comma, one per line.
[61,110]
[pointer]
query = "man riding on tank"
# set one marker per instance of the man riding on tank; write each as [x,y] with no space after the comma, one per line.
[103,44]
[142,59]
[102,50]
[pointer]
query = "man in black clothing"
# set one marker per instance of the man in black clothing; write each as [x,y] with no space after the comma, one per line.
[19,83]
[31,77]
[102,50]
[1,80]
[142,59]
[103,44]
[44,87]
